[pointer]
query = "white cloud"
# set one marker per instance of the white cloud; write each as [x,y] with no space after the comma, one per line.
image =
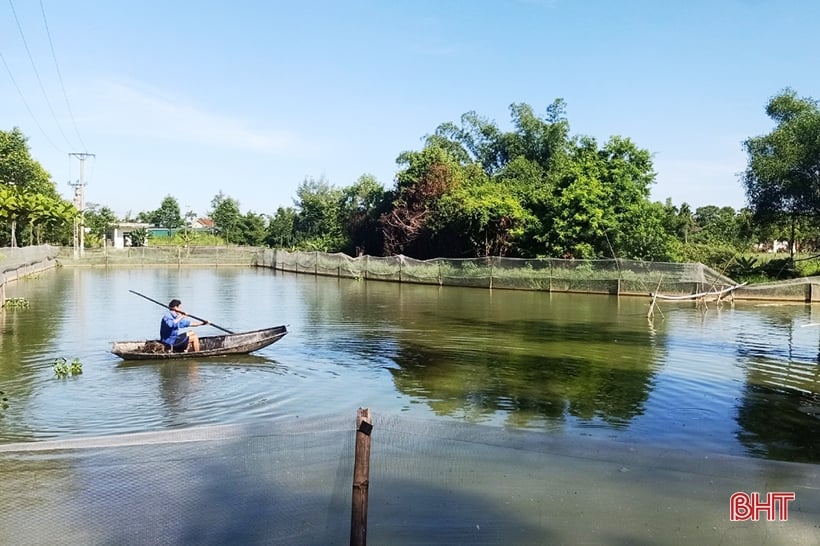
[134,110]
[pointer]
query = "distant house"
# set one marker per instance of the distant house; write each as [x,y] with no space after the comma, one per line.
[776,246]
[203,224]
[119,234]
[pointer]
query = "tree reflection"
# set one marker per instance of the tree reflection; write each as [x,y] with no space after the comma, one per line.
[582,377]
[779,410]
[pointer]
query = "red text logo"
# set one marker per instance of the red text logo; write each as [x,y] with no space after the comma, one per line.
[750,506]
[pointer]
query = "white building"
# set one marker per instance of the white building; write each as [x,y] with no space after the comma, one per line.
[119,235]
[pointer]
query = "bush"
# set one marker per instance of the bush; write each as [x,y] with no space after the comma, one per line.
[780,268]
[718,257]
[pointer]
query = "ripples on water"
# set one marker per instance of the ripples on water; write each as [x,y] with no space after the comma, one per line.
[741,380]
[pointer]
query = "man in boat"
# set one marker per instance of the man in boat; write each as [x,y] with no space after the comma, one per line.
[169,332]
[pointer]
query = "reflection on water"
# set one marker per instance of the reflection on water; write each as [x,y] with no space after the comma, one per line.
[741,380]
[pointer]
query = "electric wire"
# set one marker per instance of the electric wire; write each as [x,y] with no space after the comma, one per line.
[25,102]
[60,78]
[36,73]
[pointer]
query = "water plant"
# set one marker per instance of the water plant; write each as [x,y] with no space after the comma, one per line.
[4,401]
[63,369]
[16,303]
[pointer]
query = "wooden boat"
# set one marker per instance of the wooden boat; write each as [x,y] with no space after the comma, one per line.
[241,343]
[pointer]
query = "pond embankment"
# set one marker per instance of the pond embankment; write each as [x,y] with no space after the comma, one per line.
[609,277]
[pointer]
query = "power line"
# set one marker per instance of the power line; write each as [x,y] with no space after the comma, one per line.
[60,76]
[23,98]
[36,73]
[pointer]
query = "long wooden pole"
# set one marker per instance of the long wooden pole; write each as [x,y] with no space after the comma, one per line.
[189,314]
[361,478]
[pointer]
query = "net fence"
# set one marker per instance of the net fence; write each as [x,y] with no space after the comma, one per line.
[549,274]
[290,482]
[163,255]
[805,289]
[17,258]
[625,277]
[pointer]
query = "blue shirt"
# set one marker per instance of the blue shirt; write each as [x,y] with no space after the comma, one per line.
[169,330]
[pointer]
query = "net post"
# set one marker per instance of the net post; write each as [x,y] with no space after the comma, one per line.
[361,477]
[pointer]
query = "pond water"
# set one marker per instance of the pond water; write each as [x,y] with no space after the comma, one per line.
[741,380]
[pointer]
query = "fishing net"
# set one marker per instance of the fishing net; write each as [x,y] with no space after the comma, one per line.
[16,261]
[290,482]
[177,255]
[547,274]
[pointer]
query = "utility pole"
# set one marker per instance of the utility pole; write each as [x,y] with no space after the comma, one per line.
[79,202]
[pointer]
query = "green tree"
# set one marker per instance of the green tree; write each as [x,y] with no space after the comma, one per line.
[22,179]
[139,237]
[280,232]
[782,178]
[168,214]
[226,216]
[489,215]
[98,219]
[18,168]
[416,224]
[361,206]
[11,210]
[601,204]
[252,229]
[318,219]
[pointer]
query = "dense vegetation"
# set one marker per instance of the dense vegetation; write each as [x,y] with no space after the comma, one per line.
[475,190]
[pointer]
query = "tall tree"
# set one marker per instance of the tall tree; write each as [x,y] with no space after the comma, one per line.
[98,219]
[21,179]
[251,229]
[361,206]
[415,223]
[782,179]
[281,228]
[168,214]
[318,220]
[226,216]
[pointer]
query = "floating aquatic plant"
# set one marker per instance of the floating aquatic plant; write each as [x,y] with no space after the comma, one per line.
[63,369]
[16,303]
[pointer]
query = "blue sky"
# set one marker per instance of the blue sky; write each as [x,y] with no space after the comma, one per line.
[190,98]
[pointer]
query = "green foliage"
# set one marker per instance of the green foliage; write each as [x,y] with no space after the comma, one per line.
[541,192]
[718,257]
[16,303]
[281,228]
[318,219]
[252,229]
[362,204]
[139,237]
[63,368]
[167,215]
[743,268]
[30,206]
[783,174]
[780,268]
[98,219]
[187,238]
[226,216]
[192,238]
[19,169]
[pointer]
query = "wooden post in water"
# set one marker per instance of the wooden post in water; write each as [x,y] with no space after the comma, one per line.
[361,478]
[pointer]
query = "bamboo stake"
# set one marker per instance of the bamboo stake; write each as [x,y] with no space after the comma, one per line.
[361,478]
[651,313]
